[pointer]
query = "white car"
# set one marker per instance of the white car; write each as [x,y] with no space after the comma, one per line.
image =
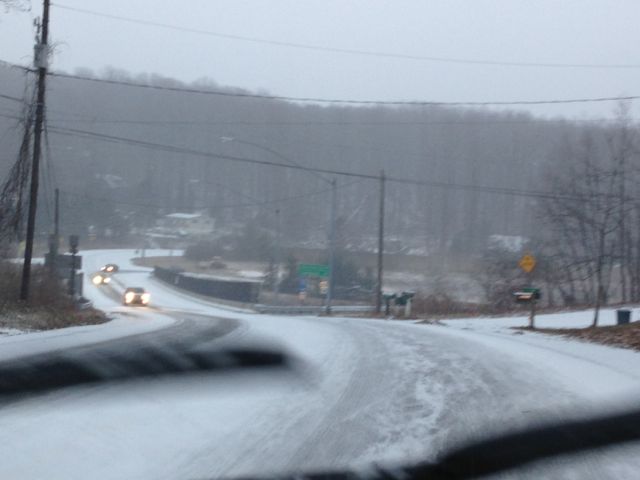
[136,296]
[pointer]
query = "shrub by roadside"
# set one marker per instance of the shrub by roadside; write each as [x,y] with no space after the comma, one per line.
[625,336]
[441,305]
[48,307]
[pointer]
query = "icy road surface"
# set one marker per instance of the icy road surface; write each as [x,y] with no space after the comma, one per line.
[366,390]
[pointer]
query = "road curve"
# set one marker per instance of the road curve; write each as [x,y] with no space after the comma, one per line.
[365,391]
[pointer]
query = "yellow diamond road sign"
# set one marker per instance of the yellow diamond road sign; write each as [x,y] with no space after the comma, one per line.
[527,263]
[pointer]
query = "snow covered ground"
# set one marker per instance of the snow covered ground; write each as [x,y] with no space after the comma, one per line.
[11,331]
[578,319]
[367,390]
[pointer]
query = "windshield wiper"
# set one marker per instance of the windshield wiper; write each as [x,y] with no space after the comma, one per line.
[45,372]
[504,452]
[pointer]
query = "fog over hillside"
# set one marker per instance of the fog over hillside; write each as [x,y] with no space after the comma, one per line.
[454,150]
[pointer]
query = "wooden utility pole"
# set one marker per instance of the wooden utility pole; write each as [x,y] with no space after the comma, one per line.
[277,259]
[54,243]
[40,61]
[56,220]
[380,245]
[332,247]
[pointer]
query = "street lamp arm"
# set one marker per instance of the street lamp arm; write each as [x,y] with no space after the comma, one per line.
[274,153]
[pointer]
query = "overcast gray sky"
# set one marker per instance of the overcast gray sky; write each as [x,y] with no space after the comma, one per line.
[593,32]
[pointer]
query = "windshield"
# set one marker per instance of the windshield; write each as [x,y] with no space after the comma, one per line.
[263,238]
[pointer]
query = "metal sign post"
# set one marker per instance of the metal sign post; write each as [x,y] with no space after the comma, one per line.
[528,264]
[310,270]
[73,248]
[532,314]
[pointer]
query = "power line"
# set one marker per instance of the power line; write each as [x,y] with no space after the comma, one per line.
[347,51]
[84,119]
[156,146]
[12,117]
[256,203]
[9,97]
[407,103]
[407,181]
[188,151]
[334,101]
[394,150]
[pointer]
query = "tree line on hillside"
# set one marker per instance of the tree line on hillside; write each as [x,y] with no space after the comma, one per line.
[587,229]
[445,146]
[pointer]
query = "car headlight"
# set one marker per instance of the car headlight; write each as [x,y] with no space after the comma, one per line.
[145,298]
[128,297]
[106,280]
[97,279]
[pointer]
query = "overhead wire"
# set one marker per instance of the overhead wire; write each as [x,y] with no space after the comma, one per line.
[342,101]
[84,119]
[346,51]
[256,203]
[189,151]
[332,101]
[12,98]
[174,149]
[182,150]
[336,172]
[190,123]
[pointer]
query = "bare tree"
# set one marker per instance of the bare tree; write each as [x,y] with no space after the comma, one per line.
[622,151]
[22,5]
[584,218]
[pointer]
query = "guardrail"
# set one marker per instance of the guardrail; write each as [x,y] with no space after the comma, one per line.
[244,291]
[312,309]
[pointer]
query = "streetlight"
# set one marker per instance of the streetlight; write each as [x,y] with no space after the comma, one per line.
[332,225]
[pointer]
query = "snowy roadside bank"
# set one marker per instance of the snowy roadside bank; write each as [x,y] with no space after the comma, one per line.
[571,319]
[121,325]
[621,336]
[122,322]
[570,326]
[602,371]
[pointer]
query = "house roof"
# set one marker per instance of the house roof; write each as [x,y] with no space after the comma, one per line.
[184,216]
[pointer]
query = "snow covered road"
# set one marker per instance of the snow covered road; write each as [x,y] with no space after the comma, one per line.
[367,390]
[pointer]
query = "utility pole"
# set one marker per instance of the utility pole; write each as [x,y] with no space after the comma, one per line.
[54,244]
[40,61]
[380,245]
[73,248]
[276,267]
[56,221]
[332,245]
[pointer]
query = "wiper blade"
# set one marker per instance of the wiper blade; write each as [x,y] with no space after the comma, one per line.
[520,448]
[503,452]
[45,372]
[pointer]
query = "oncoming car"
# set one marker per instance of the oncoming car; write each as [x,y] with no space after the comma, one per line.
[100,279]
[136,296]
[109,268]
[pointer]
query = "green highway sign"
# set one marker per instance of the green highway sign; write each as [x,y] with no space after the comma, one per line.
[311,270]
